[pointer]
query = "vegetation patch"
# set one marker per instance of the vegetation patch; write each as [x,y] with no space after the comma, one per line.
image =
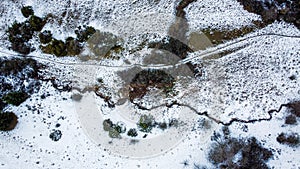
[287,10]
[36,23]
[56,47]
[15,98]
[146,123]
[27,11]
[83,34]
[295,108]
[71,46]
[21,33]
[45,37]
[145,79]
[55,135]
[291,139]
[228,152]
[114,130]
[8,121]
[132,132]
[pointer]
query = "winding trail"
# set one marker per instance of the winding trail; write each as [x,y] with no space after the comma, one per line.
[202,54]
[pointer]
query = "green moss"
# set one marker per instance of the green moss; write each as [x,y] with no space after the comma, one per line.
[8,121]
[45,37]
[15,98]
[27,11]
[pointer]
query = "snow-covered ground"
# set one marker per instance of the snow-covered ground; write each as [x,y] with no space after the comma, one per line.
[245,84]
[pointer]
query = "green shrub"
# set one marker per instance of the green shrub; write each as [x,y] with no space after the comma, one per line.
[55,47]
[45,37]
[146,123]
[84,34]
[73,46]
[36,23]
[27,11]
[132,133]
[15,98]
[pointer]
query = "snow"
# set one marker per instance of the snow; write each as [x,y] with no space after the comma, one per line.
[256,80]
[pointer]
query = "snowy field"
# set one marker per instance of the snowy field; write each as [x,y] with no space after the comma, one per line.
[244,83]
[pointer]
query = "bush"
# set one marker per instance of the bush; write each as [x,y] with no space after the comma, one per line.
[242,153]
[291,139]
[19,34]
[15,98]
[290,119]
[107,124]
[55,135]
[36,23]
[114,130]
[8,121]
[132,133]
[45,37]
[295,108]
[84,34]
[27,11]
[55,47]
[73,46]
[146,123]
[150,78]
